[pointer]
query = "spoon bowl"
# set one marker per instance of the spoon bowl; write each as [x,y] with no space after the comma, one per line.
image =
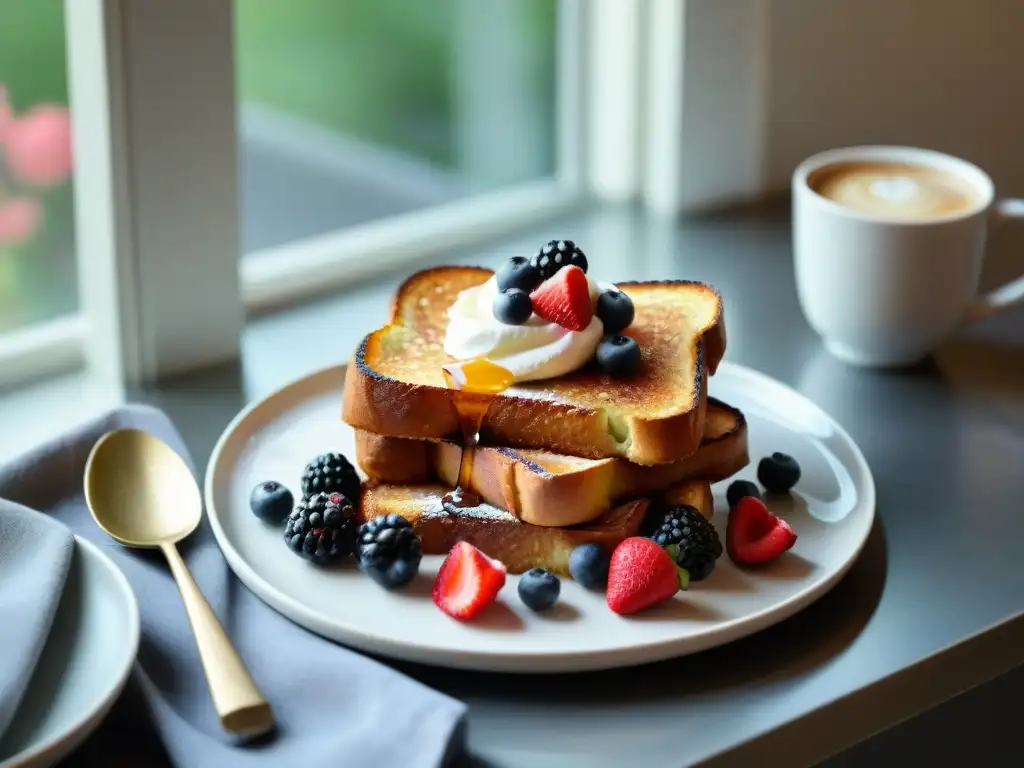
[140,491]
[142,494]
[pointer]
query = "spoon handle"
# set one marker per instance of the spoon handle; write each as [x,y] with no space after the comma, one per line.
[240,705]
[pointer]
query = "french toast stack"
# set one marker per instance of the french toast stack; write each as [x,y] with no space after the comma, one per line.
[583,457]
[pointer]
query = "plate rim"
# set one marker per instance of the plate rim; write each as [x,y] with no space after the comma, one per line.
[529,661]
[63,744]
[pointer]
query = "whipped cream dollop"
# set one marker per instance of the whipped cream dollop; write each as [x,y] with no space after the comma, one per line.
[537,349]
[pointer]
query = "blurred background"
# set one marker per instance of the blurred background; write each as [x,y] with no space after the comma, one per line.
[351,112]
[348,112]
[37,258]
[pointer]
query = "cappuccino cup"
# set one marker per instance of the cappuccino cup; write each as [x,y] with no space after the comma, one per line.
[888,245]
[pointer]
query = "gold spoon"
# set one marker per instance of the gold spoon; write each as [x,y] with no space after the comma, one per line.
[143,495]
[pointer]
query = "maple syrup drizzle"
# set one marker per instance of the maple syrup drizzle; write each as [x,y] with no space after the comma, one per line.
[473,386]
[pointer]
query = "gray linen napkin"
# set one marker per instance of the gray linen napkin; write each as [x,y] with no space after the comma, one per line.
[35,553]
[334,707]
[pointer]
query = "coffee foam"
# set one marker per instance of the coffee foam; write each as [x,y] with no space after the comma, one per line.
[896,189]
[899,190]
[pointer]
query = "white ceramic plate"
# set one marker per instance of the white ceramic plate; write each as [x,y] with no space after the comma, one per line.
[84,666]
[832,512]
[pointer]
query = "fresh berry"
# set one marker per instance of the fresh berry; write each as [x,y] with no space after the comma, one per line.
[331,473]
[588,565]
[512,307]
[641,574]
[322,528]
[778,473]
[565,299]
[615,309]
[389,550]
[618,355]
[271,501]
[518,272]
[557,254]
[740,488]
[468,581]
[690,538]
[538,589]
[755,535]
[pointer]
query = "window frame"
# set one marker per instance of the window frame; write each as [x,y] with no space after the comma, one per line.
[704,128]
[155,188]
[42,349]
[146,179]
[671,106]
[282,275]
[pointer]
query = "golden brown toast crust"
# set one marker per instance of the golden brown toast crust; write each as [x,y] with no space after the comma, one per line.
[396,386]
[520,546]
[550,489]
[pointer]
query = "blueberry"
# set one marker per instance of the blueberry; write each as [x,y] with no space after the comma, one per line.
[539,589]
[778,473]
[618,355]
[513,307]
[271,501]
[739,489]
[588,565]
[518,272]
[615,309]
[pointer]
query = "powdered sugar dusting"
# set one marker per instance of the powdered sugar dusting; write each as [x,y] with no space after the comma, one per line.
[533,394]
[485,512]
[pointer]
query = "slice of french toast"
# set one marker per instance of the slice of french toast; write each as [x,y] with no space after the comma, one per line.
[396,387]
[552,489]
[520,546]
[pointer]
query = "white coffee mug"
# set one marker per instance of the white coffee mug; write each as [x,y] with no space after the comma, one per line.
[886,291]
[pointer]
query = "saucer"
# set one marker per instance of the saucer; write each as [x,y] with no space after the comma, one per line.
[84,666]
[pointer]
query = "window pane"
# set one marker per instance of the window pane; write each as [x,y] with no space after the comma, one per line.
[37,255]
[352,110]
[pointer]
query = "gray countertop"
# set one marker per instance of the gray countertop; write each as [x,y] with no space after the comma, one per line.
[932,608]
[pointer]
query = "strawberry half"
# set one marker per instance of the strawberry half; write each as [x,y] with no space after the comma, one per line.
[564,298]
[467,581]
[755,535]
[641,574]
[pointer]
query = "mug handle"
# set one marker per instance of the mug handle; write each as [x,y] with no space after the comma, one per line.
[1005,296]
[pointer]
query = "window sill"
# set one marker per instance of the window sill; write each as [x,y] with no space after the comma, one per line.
[41,411]
[42,350]
[285,345]
[276,348]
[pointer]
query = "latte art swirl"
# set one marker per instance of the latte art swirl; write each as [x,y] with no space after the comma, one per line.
[894,189]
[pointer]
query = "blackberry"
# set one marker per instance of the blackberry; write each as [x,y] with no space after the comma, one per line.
[322,528]
[695,541]
[557,254]
[389,550]
[331,473]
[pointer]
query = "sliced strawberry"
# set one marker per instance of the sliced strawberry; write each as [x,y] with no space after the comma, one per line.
[640,574]
[564,298]
[755,535]
[467,581]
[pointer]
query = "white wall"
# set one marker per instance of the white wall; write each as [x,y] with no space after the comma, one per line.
[765,83]
[947,74]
